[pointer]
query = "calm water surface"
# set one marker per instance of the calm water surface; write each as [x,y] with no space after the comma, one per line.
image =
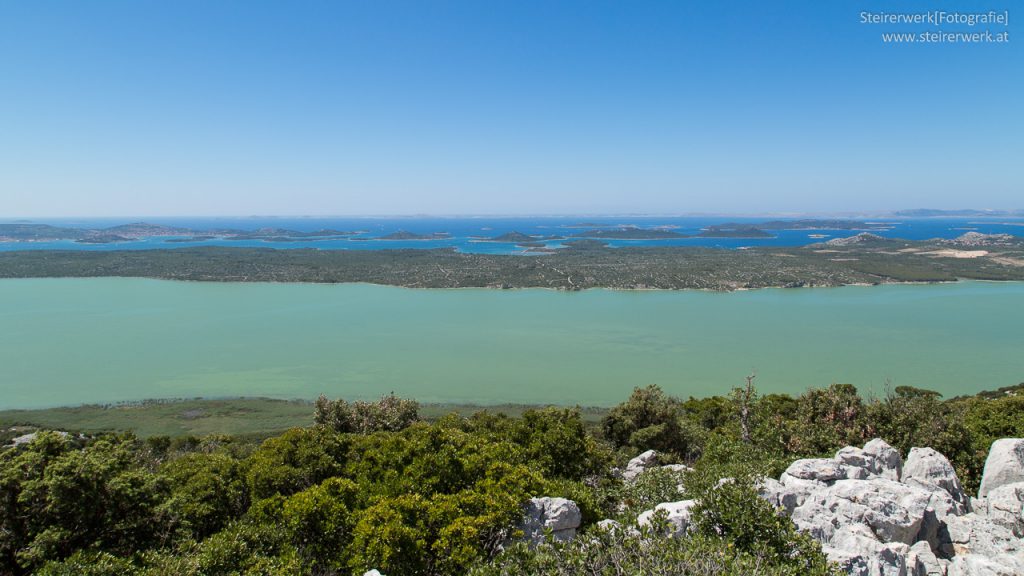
[72,341]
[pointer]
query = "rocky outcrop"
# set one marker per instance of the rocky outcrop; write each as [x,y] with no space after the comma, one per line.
[636,466]
[876,515]
[1005,465]
[979,239]
[559,515]
[862,238]
[1005,507]
[676,513]
[930,470]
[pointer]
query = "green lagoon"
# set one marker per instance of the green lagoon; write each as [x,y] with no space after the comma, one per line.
[75,341]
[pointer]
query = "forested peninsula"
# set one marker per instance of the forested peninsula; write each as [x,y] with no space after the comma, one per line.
[862,259]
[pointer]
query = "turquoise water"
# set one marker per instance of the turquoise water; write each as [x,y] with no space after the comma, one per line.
[72,341]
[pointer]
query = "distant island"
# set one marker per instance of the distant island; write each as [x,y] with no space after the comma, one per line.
[404,235]
[584,263]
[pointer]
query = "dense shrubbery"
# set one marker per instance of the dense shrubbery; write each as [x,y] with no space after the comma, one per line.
[372,486]
[391,414]
[647,552]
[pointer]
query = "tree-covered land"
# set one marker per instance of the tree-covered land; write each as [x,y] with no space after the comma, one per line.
[862,259]
[373,485]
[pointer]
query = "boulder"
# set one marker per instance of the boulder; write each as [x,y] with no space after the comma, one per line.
[372,573]
[975,534]
[888,462]
[644,461]
[677,514]
[926,466]
[1004,465]
[782,496]
[1005,506]
[559,515]
[978,565]
[857,543]
[818,469]
[922,561]
[894,512]
[677,468]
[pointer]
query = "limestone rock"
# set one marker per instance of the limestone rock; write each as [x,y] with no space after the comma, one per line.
[644,461]
[921,561]
[978,565]
[1005,507]
[678,515]
[975,534]
[928,466]
[1004,465]
[887,459]
[857,542]
[559,515]
[818,469]
[893,511]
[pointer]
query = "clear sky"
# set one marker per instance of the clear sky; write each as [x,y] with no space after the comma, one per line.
[500,107]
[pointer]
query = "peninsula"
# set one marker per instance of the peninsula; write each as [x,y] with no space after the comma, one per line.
[862,259]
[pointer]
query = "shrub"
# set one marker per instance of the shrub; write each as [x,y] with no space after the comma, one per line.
[319,523]
[294,461]
[58,499]
[390,414]
[618,552]
[207,492]
[650,419]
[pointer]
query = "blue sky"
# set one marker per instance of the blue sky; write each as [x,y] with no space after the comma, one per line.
[498,107]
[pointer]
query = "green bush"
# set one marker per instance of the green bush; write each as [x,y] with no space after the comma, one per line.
[619,552]
[390,414]
[294,461]
[319,523]
[650,419]
[57,499]
[207,492]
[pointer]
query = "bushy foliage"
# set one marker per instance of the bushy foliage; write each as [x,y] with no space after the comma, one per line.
[417,498]
[207,492]
[620,552]
[389,414]
[555,440]
[650,419]
[625,500]
[294,461]
[827,419]
[58,499]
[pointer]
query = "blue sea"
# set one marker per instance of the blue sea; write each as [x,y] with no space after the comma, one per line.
[468,234]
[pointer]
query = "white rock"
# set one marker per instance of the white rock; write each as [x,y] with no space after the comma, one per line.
[921,561]
[977,565]
[931,467]
[372,573]
[975,534]
[677,468]
[818,469]
[857,458]
[1005,507]
[559,515]
[888,462]
[1004,465]
[644,461]
[678,515]
[894,512]
[878,558]
[850,563]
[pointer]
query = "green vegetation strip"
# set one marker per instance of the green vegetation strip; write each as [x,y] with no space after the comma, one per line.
[866,260]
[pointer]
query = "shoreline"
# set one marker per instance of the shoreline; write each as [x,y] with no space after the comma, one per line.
[963,280]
